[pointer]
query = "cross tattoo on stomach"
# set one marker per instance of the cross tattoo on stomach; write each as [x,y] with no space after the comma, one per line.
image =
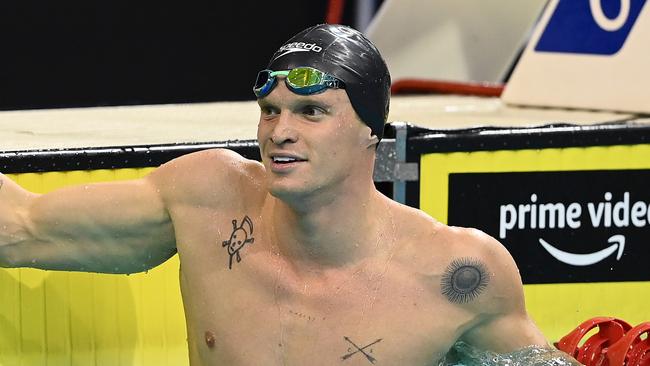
[361,350]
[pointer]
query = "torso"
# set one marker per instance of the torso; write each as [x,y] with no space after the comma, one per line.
[386,310]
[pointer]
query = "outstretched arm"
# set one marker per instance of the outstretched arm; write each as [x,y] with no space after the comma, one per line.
[119,227]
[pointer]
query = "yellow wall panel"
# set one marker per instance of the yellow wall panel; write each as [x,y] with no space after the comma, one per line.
[10,334]
[558,308]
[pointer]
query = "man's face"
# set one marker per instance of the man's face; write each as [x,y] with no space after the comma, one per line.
[310,143]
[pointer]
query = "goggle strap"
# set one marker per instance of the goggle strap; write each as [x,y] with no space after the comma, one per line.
[334,84]
[273,74]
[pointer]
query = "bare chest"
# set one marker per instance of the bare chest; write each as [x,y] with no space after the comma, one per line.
[255,314]
[245,306]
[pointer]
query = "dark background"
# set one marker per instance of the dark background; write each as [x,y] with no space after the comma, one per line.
[75,53]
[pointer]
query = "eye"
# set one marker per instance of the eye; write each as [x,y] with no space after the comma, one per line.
[269,111]
[313,111]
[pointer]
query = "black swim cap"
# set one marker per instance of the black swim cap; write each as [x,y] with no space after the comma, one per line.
[347,54]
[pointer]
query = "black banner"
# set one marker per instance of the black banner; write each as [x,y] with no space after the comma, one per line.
[562,226]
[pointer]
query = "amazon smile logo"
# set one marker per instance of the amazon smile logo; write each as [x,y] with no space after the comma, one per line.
[590,258]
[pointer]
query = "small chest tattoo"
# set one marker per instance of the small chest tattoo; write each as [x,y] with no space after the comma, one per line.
[242,234]
[365,351]
[464,280]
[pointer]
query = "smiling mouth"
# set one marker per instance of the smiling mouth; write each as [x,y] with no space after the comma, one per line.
[283,160]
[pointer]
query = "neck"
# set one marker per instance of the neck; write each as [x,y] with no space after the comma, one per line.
[331,231]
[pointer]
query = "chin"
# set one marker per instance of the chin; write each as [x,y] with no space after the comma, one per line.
[286,191]
[302,187]
[290,190]
[281,187]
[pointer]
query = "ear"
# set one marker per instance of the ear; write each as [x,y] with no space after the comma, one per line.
[366,136]
[373,140]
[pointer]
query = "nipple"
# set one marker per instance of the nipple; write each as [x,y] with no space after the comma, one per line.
[209,339]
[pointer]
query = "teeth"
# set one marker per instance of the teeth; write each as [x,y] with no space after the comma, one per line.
[282,159]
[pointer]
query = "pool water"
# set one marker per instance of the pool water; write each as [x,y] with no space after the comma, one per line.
[462,354]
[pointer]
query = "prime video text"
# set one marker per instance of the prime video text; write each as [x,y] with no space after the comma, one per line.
[551,215]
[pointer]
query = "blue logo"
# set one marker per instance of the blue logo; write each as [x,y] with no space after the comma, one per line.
[597,27]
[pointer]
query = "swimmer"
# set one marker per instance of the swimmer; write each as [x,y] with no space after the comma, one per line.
[297,260]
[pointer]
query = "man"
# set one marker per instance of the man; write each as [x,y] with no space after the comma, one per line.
[297,260]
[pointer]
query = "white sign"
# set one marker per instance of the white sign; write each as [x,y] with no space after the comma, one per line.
[588,54]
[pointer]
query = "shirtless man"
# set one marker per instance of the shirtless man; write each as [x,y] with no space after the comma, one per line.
[297,260]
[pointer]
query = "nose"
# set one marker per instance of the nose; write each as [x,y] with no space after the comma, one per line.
[284,130]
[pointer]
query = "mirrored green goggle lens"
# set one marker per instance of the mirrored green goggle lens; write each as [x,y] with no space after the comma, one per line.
[303,77]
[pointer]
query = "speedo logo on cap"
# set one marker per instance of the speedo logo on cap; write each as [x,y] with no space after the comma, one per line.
[298,47]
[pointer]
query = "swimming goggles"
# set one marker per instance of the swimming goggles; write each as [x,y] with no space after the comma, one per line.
[301,80]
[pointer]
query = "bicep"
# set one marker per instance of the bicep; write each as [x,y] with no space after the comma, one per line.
[105,227]
[503,324]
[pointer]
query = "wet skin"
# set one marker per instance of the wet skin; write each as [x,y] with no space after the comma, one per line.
[379,284]
[297,260]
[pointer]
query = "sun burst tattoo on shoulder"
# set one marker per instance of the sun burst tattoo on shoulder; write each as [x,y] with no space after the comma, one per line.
[464,280]
[242,234]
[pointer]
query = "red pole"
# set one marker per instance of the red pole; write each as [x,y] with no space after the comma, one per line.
[404,86]
[335,12]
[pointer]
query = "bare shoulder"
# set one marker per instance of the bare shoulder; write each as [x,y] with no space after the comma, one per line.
[480,273]
[474,242]
[467,266]
[215,173]
[441,238]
